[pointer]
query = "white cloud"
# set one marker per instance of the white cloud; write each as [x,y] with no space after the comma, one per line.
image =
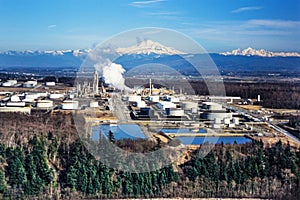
[52,26]
[275,23]
[249,8]
[142,4]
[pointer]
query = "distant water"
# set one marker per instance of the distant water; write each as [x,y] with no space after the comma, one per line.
[213,140]
[180,130]
[120,131]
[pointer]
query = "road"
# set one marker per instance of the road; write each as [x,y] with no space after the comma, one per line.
[119,109]
[259,118]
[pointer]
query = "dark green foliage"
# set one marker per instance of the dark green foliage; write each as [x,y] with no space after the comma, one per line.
[276,163]
[3,184]
[223,172]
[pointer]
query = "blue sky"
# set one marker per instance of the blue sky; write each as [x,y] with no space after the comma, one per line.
[218,25]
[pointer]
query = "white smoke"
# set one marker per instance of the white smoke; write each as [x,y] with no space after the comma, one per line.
[112,74]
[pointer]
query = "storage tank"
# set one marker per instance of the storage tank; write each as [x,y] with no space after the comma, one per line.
[174,99]
[227,121]
[236,121]
[231,125]
[10,83]
[44,104]
[140,104]
[30,84]
[32,96]
[134,98]
[216,125]
[15,104]
[15,98]
[56,96]
[154,98]
[50,83]
[189,105]
[70,105]
[16,109]
[194,110]
[218,120]
[71,96]
[176,112]
[94,104]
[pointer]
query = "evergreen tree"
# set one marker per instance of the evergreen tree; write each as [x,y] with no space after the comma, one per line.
[3,184]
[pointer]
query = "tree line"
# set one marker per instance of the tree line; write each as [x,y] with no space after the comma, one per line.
[47,168]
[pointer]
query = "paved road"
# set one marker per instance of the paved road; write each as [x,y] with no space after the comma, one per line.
[258,117]
[119,108]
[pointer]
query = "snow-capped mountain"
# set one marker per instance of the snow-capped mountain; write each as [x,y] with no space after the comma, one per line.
[148,47]
[261,52]
[77,52]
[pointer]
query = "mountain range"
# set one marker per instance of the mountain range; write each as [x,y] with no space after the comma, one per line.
[148,52]
[261,52]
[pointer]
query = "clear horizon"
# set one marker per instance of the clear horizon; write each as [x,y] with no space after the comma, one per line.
[216,25]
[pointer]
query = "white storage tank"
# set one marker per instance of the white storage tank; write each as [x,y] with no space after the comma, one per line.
[26,110]
[44,104]
[30,84]
[140,104]
[94,104]
[236,121]
[216,125]
[56,96]
[231,125]
[174,99]
[134,98]
[176,112]
[32,96]
[165,104]
[194,110]
[154,98]
[15,98]
[71,96]
[15,104]
[189,105]
[50,83]
[70,105]
[10,83]
[218,120]
[227,121]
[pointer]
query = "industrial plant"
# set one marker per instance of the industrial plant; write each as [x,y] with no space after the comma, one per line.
[167,114]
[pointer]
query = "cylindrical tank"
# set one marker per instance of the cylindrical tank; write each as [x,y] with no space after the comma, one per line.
[176,112]
[56,96]
[15,104]
[227,121]
[70,105]
[189,105]
[32,96]
[71,96]
[236,121]
[218,120]
[50,83]
[194,110]
[154,98]
[140,104]
[15,98]
[94,104]
[134,98]
[44,104]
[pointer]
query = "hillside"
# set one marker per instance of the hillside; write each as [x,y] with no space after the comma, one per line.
[53,164]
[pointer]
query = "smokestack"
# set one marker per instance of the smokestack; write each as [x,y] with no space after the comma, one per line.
[96,83]
[150,87]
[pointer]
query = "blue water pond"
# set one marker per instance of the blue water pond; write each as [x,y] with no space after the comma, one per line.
[120,131]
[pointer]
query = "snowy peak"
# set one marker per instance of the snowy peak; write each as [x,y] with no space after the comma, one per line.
[261,52]
[77,52]
[149,47]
